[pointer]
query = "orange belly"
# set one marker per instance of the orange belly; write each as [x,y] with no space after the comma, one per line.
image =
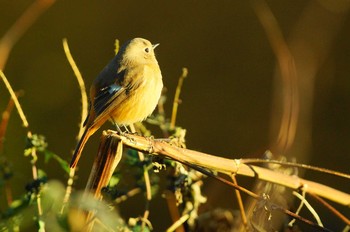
[141,102]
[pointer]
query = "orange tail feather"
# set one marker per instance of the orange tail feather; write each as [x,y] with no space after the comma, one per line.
[77,153]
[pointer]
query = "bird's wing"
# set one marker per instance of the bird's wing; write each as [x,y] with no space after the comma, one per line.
[103,99]
[111,96]
[106,100]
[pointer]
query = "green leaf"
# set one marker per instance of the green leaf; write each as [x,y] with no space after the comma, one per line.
[63,163]
[41,174]
[139,228]
[48,155]
[114,180]
[27,151]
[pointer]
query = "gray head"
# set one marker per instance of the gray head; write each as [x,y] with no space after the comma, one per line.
[138,51]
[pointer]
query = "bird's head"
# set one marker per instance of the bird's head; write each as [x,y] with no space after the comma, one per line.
[138,51]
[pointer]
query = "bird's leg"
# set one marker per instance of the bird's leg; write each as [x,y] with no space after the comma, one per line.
[117,127]
[133,131]
[124,133]
[126,128]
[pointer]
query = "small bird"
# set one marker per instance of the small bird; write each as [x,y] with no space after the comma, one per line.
[126,91]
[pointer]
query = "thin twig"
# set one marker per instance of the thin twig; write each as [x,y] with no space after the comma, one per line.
[3,126]
[6,44]
[257,197]
[15,99]
[234,185]
[22,24]
[310,208]
[147,183]
[331,208]
[174,212]
[229,166]
[290,224]
[68,190]
[34,158]
[4,122]
[306,221]
[129,194]
[178,223]
[84,112]
[177,97]
[290,164]
[273,205]
[240,202]
[78,76]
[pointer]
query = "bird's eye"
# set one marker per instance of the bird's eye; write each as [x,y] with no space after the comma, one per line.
[147,50]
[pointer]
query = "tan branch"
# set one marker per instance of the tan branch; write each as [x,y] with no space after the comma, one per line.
[177,97]
[230,166]
[78,76]
[15,100]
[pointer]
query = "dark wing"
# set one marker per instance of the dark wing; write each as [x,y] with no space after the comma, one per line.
[106,101]
[116,89]
[103,99]
[107,86]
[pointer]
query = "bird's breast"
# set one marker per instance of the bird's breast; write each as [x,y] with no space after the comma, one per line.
[142,98]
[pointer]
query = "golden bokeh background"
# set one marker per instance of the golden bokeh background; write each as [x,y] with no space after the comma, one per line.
[227,99]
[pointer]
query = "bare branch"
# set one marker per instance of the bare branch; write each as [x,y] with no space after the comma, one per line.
[84,98]
[230,166]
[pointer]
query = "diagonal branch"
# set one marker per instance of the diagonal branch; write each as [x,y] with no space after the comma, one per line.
[229,166]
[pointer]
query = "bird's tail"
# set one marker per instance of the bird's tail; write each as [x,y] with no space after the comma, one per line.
[77,153]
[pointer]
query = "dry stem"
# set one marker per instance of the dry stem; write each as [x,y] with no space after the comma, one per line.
[78,76]
[231,166]
[177,97]
[33,151]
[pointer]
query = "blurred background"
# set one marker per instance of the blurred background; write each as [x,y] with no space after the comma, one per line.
[233,99]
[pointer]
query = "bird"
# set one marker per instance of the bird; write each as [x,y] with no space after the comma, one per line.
[126,91]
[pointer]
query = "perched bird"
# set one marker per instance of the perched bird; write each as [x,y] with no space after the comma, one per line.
[126,91]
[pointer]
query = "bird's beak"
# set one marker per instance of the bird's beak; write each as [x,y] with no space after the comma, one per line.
[155,45]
